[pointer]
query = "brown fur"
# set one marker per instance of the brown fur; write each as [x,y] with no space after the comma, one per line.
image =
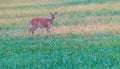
[42,23]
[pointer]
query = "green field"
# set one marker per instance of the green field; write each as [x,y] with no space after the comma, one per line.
[85,35]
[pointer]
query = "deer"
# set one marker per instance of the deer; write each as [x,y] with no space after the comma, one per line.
[42,23]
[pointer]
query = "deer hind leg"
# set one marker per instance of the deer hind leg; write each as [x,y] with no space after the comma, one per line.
[32,29]
[29,31]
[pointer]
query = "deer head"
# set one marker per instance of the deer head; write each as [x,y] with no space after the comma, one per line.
[53,15]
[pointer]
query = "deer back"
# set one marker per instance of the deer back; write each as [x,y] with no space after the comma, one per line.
[41,22]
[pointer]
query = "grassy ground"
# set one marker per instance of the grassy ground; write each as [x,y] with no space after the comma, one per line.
[85,35]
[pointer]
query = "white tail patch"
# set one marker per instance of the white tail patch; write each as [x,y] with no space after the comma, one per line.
[30,25]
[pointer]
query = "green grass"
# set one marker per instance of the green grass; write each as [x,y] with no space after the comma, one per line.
[72,51]
[59,51]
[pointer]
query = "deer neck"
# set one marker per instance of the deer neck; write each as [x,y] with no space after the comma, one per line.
[52,19]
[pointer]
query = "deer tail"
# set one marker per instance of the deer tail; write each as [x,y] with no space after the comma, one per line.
[30,24]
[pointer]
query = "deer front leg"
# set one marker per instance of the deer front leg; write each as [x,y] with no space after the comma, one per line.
[48,30]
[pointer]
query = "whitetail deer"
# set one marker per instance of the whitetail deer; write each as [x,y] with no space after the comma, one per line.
[42,23]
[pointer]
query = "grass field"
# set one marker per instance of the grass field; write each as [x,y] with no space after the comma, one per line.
[85,35]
